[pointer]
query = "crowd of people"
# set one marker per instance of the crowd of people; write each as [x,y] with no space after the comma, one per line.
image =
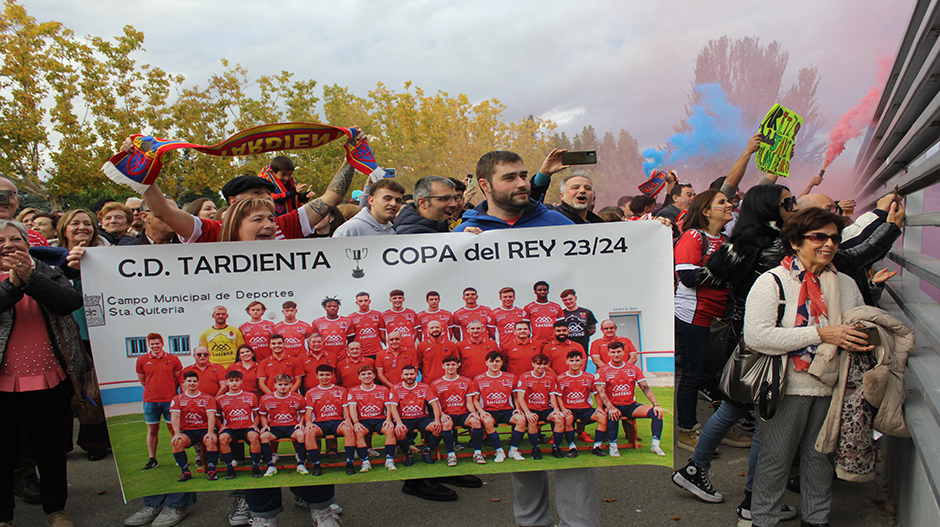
[403,374]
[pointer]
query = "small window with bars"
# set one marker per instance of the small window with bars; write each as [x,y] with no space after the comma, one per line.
[179,345]
[136,346]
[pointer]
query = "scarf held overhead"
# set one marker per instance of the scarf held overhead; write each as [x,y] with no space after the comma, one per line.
[140,168]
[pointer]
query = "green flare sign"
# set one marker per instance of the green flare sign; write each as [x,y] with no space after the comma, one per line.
[778,131]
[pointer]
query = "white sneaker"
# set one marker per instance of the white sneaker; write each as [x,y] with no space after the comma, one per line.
[272,470]
[614,451]
[479,459]
[143,516]
[366,466]
[516,455]
[302,470]
[390,464]
[170,516]
[336,508]
[241,515]
[373,452]
[451,460]
[325,518]
[500,457]
[274,459]
[263,522]
[656,450]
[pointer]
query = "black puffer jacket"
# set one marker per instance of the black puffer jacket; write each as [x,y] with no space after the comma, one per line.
[410,221]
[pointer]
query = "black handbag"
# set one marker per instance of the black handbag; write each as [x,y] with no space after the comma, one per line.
[723,339]
[755,378]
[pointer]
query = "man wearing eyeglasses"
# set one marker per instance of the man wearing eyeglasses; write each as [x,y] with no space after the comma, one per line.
[211,376]
[436,200]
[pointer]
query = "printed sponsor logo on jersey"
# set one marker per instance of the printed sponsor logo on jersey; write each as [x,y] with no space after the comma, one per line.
[193,417]
[257,341]
[293,342]
[496,397]
[334,340]
[282,418]
[454,399]
[413,409]
[544,321]
[328,409]
[537,398]
[367,333]
[371,409]
[621,389]
[575,397]
[238,413]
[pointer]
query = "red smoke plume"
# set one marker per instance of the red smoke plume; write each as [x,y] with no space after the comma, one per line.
[853,122]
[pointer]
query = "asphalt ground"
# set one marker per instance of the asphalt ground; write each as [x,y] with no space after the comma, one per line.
[634,495]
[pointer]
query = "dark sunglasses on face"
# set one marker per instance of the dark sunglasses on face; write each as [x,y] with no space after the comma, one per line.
[821,237]
[788,204]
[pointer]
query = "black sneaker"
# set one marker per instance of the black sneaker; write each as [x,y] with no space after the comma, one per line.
[350,469]
[316,470]
[427,457]
[185,476]
[230,473]
[572,452]
[151,464]
[409,459]
[212,476]
[536,454]
[256,472]
[744,509]
[556,452]
[599,452]
[695,480]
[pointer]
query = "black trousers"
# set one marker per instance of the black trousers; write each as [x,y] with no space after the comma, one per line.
[47,418]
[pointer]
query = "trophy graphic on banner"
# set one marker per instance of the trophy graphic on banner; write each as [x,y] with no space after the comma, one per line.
[356,255]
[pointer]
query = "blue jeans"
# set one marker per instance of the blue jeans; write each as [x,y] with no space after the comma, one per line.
[714,431]
[691,343]
[176,500]
[266,503]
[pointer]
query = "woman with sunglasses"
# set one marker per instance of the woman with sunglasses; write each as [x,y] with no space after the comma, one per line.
[815,295]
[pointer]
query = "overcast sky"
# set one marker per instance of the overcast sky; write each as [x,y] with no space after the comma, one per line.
[612,64]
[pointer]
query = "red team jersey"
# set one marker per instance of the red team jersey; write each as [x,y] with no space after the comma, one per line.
[431,354]
[446,318]
[505,321]
[249,377]
[334,332]
[473,356]
[411,401]
[392,365]
[453,394]
[327,403]
[537,391]
[368,329]
[543,317]
[464,316]
[405,322]
[161,377]
[236,409]
[310,368]
[295,337]
[258,336]
[210,380]
[495,392]
[287,411]
[697,305]
[575,391]
[370,404]
[620,383]
[193,410]
[558,354]
[347,373]
[271,368]
[600,347]
[519,356]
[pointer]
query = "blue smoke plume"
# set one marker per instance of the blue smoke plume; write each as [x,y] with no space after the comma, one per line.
[716,126]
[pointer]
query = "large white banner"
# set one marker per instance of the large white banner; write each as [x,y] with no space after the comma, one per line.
[620,271]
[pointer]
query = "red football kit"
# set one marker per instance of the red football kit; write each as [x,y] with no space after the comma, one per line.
[453,394]
[392,364]
[537,391]
[160,377]
[370,404]
[575,391]
[505,321]
[411,400]
[367,329]
[236,409]
[327,403]
[558,354]
[405,322]
[495,392]
[519,356]
[473,356]
[347,373]
[210,379]
[286,411]
[601,347]
[431,354]
[249,377]
[334,332]
[310,368]
[620,383]
[295,337]
[193,410]
[543,317]
[258,336]
[272,367]
[464,316]
[446,318]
